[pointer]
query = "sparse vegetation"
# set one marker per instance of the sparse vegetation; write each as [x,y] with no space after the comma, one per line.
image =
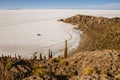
[88,71]
[39,70]
[103,73]
[117,76]
[8,66]
[55,60]
[63,62]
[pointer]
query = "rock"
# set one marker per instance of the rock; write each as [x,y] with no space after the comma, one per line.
[39,35]
[61,20]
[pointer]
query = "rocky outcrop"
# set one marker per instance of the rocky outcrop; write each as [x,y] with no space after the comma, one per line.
[14,69]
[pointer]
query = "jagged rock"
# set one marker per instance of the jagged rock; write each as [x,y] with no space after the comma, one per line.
[15,70]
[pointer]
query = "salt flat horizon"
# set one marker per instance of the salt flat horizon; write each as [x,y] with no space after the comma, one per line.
[19,29]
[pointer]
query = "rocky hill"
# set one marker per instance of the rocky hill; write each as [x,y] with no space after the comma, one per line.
[98,32]
[85,65]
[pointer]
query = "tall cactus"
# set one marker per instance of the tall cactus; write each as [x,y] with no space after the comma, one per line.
[65,49]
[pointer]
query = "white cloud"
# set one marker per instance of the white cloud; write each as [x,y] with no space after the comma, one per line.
[111,6]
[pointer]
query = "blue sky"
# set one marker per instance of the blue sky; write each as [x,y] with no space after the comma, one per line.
[60,4]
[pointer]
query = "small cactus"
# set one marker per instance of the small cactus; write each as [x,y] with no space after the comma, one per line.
[49,54]
[34,55]
[9,56]
[19,57]
[15,56]
[60,57]
[2,56]
[44,57]
[40,57]
[65,49]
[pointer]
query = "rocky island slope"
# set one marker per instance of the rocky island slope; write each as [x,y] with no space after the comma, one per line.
[98,32]
[85,65]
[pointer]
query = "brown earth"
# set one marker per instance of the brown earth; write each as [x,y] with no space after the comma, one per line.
[97,65]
